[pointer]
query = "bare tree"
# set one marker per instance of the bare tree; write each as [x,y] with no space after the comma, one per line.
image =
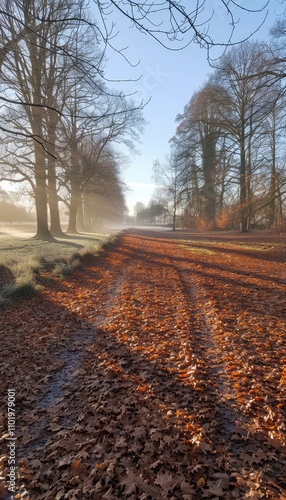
[168,176]
[90,144]
[103,195]
[175,25]
[226,144]
[197,135]
[170,23]
[243,105]
[271,160]
[41,74]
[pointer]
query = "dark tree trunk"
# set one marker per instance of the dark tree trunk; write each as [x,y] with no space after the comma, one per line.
[209,168]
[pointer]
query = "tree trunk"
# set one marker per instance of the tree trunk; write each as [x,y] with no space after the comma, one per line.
[174,220]
[75,196]
[55,228]
[209,166]
[273,182]
[80,216]
[41,199]
[249,193]
[243,190]
[37,61]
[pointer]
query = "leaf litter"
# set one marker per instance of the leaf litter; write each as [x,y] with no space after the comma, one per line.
[153,372]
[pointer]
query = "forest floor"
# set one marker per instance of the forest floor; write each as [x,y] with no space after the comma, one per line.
[157,370]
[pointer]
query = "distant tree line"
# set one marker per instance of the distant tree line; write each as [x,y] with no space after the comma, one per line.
[10,211]
[152,214]
[227,166]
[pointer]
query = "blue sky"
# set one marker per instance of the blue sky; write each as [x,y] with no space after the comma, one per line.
[170,79]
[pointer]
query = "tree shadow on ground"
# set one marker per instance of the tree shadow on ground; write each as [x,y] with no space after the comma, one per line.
[120,393]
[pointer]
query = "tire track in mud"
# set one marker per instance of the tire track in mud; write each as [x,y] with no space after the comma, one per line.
[57,396]
[60,385]
[193,333]
[228,417]
[221,412]
[159,286]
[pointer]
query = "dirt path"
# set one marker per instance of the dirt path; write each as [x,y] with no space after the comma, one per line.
[156,371]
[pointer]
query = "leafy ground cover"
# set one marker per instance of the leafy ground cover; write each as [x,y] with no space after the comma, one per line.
[155,371]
